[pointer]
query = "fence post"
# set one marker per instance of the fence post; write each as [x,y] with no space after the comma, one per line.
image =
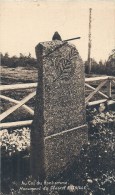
[109,88]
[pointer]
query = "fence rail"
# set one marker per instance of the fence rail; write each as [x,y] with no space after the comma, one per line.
[106,82]
[18,86]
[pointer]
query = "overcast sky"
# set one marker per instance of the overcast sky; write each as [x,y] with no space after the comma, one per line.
[23,24]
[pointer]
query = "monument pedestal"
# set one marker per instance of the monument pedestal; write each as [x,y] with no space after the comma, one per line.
[59,126]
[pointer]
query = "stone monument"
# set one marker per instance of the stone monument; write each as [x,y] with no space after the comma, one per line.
[59,127]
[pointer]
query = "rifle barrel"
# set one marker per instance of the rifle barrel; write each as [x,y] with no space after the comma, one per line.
[72,39]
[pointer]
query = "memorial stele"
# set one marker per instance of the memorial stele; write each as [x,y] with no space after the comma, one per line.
[59,127]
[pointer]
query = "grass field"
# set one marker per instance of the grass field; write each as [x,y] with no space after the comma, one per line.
[18,75]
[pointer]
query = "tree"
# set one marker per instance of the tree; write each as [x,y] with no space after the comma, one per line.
[94,65]
[6,55]
[21,55]
[29,56]
[111,63]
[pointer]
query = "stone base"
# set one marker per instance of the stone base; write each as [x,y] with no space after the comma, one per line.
[62,148]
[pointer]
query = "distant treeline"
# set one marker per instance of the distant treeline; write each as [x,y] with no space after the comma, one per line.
[107,67]
[14,61]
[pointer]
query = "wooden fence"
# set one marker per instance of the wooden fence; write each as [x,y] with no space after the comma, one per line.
[106,84]
[93,86]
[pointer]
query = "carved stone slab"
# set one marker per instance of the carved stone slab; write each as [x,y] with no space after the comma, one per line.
[60,106]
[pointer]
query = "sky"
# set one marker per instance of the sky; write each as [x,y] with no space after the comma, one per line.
[23,24]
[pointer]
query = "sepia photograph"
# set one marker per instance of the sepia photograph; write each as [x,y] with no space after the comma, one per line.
[57,97]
